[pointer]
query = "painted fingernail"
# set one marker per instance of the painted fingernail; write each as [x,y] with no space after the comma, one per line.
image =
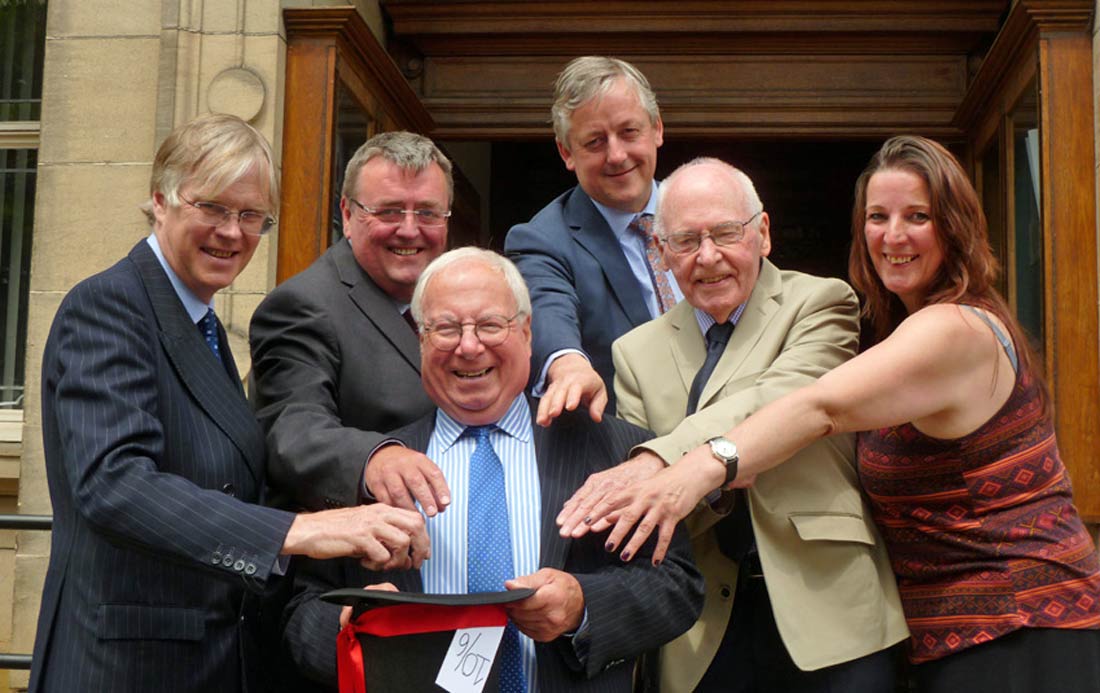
[656,563]
[610,546]
[626,556]
[588,520]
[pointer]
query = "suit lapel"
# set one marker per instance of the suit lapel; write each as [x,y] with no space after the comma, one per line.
[559,452]
[762,305]
[688,346]
[197,368]
[375,305]
[417,434]
[592,232]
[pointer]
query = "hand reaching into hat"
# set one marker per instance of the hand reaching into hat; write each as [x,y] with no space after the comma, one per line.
[380,536]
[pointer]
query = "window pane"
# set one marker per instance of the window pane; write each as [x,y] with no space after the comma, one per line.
[353,128]
[22,41]
[993,205]
[17,177]
[1027,269]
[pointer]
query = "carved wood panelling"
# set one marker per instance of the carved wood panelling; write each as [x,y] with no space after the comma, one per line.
[479,97]
[864,68]
[615,17]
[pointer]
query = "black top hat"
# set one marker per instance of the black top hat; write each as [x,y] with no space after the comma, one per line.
[398,642]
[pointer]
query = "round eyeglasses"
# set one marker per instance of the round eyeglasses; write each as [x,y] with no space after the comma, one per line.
[725,234]
[396,215]
[491,331]
[250,221]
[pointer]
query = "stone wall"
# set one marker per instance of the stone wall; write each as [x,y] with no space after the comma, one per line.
[118,76]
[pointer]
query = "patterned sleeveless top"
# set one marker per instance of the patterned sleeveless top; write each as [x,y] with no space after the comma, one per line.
[981,530]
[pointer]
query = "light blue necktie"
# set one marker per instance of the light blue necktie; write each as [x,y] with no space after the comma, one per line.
[208,326]
[489,545]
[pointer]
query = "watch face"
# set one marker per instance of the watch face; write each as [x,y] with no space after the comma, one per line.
[723,447]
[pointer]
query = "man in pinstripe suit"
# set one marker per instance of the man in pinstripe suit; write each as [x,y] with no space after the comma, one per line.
[153,458]
[591,614]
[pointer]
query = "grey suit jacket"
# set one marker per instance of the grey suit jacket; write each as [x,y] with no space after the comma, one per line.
[150,450]
[831,587]
[631,607]
[583,293]
[335,365]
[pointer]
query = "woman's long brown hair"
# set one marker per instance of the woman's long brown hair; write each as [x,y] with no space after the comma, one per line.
[969,271]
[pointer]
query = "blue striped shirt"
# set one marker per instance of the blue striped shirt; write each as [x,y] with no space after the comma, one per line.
[445,571]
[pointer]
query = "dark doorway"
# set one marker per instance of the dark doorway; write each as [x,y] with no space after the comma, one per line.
[806,188]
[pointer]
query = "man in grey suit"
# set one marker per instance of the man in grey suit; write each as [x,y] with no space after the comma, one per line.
[591,614]
[153,457]
[589,256]
[335,363]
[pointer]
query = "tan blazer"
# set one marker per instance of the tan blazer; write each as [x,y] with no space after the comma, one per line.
[831,586]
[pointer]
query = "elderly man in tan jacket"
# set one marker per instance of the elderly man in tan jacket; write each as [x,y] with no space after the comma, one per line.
[800,596]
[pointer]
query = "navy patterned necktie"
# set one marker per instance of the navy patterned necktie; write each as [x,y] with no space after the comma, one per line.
[734,532]
[208,327]
[717,337]
[489,545]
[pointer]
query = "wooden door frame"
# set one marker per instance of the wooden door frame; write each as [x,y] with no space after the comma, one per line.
[328,47]
[1051,41]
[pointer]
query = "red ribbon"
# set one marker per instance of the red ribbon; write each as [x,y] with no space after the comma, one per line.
[404,619]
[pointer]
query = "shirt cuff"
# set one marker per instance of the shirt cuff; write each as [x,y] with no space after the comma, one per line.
[539,388]
[279,567]
[364,493]
[581,638]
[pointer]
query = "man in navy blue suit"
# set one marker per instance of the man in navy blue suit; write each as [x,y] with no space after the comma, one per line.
[154,460]
[589,256]
[591,613]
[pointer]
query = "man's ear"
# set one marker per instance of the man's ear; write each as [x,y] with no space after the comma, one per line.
[764,228]
[345,216]
[160,207]
[566,155]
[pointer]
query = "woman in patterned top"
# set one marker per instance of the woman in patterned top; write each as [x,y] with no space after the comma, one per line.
[999,578]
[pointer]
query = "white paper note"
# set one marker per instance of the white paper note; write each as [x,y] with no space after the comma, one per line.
[469,659]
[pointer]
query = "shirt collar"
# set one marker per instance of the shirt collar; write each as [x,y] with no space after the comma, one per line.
[195,308]
[516,423]
[706,321]
[618,220]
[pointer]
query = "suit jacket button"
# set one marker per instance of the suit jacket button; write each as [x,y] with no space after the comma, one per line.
[239,565]
[250,569]
[227,560]
[230,490]
[216,558]
[725,591]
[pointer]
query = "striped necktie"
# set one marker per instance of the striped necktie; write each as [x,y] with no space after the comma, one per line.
[658,271]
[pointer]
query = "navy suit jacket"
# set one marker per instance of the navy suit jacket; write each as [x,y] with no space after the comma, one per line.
[631,607]
[583,293]
[153,458]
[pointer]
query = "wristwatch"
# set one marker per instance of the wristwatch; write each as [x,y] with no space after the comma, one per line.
[725,452]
